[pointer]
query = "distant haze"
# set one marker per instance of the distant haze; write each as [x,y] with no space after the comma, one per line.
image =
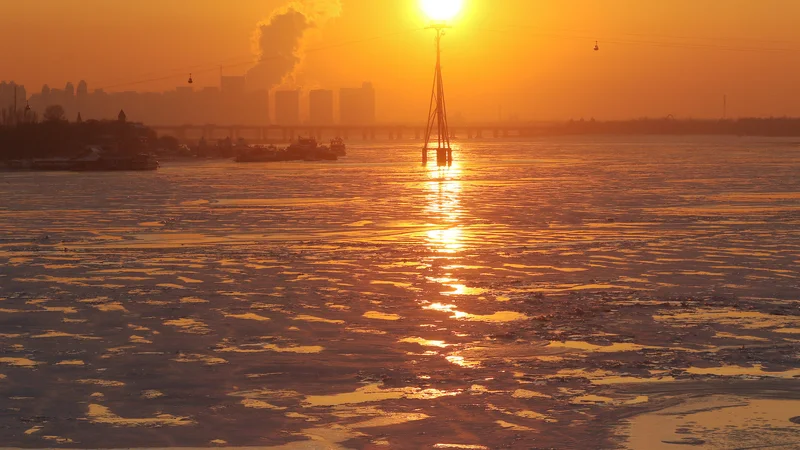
[280,41]
[525,59]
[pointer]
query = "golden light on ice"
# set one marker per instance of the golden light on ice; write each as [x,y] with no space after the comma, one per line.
[441,10]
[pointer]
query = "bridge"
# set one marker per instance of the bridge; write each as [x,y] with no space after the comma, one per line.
[286,133]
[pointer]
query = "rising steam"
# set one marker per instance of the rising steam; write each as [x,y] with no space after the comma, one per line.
[279,40]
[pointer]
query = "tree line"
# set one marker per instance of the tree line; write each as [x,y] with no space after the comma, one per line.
[24,135]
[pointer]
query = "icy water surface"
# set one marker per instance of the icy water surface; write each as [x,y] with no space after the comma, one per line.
[635,293]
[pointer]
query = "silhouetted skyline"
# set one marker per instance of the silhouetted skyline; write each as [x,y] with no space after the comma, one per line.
[232,103]
[532,59]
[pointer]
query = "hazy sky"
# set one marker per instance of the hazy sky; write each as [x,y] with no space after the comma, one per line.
[530,58]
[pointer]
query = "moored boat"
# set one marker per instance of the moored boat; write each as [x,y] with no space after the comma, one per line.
[259,154]
[304,149]
[338,146]
[307,149]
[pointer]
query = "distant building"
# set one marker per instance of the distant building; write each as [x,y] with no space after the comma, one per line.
[287,107]
[234,87]
[184,91]
[7,91]
[258,107]
[320,104]
[240,104]
[82,97]
[232,103]
[357,105]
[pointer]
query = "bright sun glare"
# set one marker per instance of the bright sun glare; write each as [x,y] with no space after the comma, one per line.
[441,10]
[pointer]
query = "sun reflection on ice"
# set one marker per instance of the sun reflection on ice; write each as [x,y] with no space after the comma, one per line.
[446,241]
[444,188]
[443,209]
[447,309]
[461,361]
[496,317]
[462,289]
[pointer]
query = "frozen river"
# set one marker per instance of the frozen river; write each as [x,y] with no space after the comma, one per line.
[558,293]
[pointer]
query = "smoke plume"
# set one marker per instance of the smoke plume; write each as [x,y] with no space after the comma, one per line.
[279,40]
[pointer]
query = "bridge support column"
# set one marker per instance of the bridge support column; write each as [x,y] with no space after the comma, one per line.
[505,133]
[372,134]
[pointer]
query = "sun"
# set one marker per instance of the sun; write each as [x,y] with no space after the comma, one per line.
[441,10]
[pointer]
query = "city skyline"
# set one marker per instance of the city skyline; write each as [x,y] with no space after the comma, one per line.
[532,60]
[230,103]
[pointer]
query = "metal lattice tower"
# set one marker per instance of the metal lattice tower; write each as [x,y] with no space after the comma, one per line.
[437,112]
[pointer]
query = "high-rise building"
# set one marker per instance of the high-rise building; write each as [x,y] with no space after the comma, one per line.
[7,92]
[357,105]
[287,107]
[184,92]
[82,97]
[320,109]
[258,106]
[83,89]
[233,100]
[233,86]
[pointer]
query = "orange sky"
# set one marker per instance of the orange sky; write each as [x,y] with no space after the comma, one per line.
[528,58]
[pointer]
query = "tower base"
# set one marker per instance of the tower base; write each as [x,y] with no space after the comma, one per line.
[444,156]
